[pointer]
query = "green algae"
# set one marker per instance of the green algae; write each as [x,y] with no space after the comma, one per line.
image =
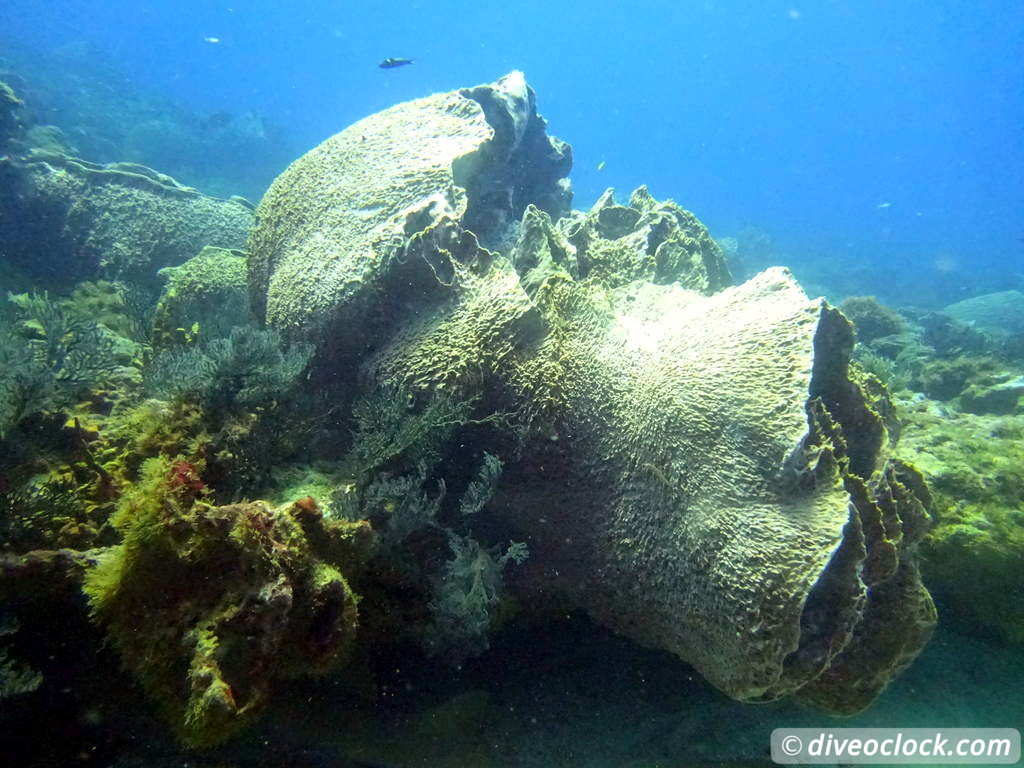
[974,555]
[208,606]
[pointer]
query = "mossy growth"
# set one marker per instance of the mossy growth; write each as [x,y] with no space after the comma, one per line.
[10,104]
[871,318]
[202,298]
[974,556]
[946,379]
[122,309]
[208,606]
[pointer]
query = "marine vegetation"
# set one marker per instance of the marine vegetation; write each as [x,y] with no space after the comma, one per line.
[247,388]
[208,606]
[465,595]
[49,358]
[972,558]
[452,583]
[16,677]
[871,318]
[223,376]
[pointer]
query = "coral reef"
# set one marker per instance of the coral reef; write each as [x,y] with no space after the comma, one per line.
[466,402]
[871,318]
[10,107]
[1001,312]
[118,221]
[1000,394]
[207,606]
[77,88]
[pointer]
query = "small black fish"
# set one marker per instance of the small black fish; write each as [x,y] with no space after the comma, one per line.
[392,63]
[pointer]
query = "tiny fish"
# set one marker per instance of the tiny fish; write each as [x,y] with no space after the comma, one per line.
[600,166]
[392,63]
[211,39]
[883,205]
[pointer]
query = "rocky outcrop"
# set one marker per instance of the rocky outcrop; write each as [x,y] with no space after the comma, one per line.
[1000,313]
[209,606]
[973,556]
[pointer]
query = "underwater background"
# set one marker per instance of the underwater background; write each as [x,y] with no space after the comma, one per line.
[875,148]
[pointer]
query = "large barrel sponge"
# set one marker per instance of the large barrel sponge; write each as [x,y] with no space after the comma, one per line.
[737,512]
[332,227]
[696,467]
[701,474]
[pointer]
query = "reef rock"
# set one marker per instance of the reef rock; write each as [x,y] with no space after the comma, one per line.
[974,556]
[207,295]
[10,107]
[1001,312]
[696,468]
[64,220]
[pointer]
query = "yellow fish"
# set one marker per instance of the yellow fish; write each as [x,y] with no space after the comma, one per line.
[600,166]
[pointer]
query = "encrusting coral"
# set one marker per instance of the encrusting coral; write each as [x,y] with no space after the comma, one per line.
[119,221]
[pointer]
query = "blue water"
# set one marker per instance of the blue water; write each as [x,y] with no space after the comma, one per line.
[869,132]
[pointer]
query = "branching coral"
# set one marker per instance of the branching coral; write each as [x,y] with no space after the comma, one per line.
[389,426]
[396,454]
[46,513]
